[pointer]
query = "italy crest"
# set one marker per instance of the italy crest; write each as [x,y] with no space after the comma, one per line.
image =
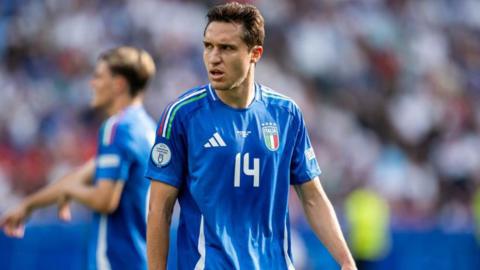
[270,136]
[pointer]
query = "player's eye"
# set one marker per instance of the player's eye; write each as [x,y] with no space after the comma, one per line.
[227,47]
[207,45]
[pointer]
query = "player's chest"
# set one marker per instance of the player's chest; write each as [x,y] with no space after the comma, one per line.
[218,137]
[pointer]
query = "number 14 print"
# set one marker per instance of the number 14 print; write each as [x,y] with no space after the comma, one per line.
[255,171]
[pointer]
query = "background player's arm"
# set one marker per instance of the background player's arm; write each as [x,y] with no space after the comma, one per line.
[103,197]
[12,221]
[162,201]
[321,216]
[111,170]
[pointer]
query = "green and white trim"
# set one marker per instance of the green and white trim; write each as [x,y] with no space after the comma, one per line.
[166,126]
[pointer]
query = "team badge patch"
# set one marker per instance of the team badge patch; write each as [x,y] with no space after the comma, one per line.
[270,136]
[161,154]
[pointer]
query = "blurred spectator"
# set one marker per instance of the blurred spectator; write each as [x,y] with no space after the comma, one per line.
[368,220]
[476,213]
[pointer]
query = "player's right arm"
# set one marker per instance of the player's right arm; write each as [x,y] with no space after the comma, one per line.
[13,221]
[166,169]
[162,201]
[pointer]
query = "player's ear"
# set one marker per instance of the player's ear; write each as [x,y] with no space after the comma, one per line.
[120,83]
[256,53]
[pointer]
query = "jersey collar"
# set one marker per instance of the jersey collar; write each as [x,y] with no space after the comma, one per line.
[213,95]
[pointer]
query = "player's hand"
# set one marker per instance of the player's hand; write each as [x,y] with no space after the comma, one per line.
[64,212]
[13,221]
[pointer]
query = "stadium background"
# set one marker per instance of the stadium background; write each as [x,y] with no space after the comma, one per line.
[390,90]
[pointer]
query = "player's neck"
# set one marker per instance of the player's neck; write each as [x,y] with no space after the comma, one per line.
[122,102]
[241,96]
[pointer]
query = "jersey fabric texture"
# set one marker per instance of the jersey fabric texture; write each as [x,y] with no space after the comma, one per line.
[233,168]
[119,239]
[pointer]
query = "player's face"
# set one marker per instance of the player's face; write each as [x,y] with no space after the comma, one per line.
[102,85]
[227,57]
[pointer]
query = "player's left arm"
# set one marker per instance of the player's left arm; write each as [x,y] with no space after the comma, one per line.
[323,220]
[102,197]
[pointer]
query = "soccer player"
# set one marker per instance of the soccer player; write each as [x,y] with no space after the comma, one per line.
[112,184]
[229,152]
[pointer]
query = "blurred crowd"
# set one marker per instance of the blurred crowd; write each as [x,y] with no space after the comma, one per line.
[390,90]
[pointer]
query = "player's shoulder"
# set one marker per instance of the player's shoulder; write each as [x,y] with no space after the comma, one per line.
[110,129]
[273,98]
[180,109]
[188,101]
[123,125]
[130,118]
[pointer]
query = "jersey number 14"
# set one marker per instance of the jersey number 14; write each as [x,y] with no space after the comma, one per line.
[255,171]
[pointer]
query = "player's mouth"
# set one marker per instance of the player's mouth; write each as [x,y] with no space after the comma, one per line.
[216,74]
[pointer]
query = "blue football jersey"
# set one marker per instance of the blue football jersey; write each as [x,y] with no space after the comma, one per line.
[233,168]
[119,239]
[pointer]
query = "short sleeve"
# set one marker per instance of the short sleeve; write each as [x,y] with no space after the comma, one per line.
[167,161]
[304,165]
[113,161]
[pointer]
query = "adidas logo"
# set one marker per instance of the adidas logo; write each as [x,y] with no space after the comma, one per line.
[215,141]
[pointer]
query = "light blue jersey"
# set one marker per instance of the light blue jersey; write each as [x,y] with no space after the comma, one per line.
[233,169]
[119,239]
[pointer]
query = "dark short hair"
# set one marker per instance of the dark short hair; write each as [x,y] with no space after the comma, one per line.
[135,65]
[247,15]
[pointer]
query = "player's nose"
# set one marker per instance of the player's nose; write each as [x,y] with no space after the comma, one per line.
[214,57]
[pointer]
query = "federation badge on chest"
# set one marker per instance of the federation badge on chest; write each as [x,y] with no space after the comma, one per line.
[270,136]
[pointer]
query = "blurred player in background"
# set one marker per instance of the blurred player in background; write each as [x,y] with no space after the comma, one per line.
[229,152]
[112,184]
